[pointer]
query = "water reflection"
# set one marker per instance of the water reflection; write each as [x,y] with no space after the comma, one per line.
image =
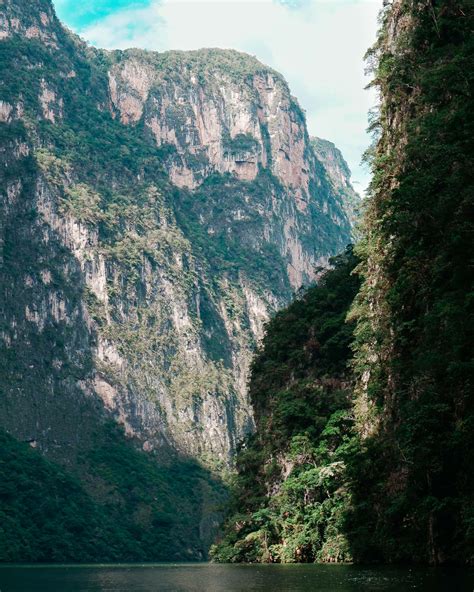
[231,578]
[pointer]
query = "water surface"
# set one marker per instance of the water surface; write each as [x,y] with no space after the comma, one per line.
[204,577]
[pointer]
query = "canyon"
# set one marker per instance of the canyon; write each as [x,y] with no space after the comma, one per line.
[157,209]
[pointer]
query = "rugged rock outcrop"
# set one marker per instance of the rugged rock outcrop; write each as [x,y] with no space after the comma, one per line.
[156,209]
[339,175]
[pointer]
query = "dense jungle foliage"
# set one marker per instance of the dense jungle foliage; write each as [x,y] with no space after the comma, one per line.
[385,474]
[291,492]
[118,504]
[413,492]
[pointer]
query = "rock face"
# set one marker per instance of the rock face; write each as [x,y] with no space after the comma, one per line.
[156,209]
[218,111]
[339,175]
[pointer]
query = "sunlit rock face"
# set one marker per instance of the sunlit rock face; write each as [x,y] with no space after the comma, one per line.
[156,209]
[218,111]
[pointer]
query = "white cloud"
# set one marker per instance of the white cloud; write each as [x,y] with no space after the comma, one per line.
[317,45]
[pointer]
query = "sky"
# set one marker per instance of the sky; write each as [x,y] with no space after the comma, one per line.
[318,45]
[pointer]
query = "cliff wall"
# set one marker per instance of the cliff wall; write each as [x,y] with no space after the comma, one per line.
[156,209]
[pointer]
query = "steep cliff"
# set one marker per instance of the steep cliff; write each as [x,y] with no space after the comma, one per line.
[339,175]
[156,208]
[415,317]
[162,287]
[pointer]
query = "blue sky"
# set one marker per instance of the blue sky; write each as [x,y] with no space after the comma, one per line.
[78,15]
[318,45]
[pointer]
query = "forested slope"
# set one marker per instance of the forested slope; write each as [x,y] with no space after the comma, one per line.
[415,334]
[291,490]
[118,504]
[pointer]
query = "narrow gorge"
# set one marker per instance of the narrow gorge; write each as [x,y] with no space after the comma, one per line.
[157,209]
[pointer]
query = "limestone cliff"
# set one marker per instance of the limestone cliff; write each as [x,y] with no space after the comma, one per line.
[156,208]
[339,175]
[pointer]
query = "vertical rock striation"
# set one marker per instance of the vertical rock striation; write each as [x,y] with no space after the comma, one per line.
[156,209]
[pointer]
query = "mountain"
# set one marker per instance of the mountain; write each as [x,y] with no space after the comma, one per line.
[339,176]
[157,208]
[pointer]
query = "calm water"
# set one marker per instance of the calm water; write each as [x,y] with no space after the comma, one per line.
[230,578]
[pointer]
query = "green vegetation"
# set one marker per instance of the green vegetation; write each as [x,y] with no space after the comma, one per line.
[413,481]
[240,144]
[118,503]
[203,64]
[339,175]
[45,514]
[290,493]
[207,216]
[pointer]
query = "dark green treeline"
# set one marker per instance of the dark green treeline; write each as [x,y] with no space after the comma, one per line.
[414,486]
[116,504]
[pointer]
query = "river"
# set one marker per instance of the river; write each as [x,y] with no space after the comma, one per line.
[205,577]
